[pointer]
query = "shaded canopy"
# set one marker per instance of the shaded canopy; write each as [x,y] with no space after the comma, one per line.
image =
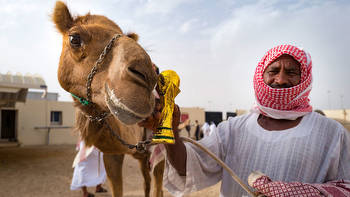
[14,88]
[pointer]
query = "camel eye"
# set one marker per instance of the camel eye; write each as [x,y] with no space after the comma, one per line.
[75,40]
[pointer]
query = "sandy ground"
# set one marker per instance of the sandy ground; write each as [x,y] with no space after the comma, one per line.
[42,171]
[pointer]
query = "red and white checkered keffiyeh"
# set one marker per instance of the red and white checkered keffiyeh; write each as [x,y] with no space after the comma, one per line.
[283,103]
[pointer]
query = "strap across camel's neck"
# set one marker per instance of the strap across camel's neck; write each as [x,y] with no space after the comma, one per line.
[82,100]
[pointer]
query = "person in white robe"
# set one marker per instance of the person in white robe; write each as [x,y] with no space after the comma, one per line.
[212,128]
[281,137]
[89,170]
[205,129]
[315,151]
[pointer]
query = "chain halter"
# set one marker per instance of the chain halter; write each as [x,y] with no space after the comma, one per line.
[141,145]
[94,70]
[97,63]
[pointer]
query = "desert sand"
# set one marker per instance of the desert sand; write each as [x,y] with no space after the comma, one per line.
[45,171]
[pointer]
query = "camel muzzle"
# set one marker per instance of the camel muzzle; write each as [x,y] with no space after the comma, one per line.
[120,110]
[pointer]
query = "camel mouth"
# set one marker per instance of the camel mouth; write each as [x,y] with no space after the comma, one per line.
[138,74]
[120,110]
[139,77]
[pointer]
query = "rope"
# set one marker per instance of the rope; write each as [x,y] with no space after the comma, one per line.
[228,169]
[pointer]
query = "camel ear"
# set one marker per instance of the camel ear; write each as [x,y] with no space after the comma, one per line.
[133,36]
[61,17]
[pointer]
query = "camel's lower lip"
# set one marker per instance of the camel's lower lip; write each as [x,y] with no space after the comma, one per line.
[120,110]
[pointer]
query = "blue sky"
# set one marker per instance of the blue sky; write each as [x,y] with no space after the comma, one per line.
[213,45]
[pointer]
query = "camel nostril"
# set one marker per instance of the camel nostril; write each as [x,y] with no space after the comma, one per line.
[137,73]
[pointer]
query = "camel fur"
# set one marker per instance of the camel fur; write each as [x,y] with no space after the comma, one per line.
[125,78]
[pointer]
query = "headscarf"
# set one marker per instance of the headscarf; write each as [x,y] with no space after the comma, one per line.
[283,103]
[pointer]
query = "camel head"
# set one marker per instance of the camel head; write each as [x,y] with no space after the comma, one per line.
[123,81]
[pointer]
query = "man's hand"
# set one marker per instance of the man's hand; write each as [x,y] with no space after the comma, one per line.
[176,153]
[152,121]
[264,185]
[176,118]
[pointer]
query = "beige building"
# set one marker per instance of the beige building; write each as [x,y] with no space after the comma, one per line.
[33,118]
[341,115]
[38,118]
[193,113]
[42,122]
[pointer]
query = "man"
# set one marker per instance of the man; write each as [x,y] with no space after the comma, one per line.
[188,127]
[205,129]
[89,170]
[212,128]
[197,132]
[281,137]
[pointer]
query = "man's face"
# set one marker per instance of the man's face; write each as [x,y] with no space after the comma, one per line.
[284,72]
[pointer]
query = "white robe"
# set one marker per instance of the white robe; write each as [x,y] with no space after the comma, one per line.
[315,151]
[205,129]
[88,172]
[212,128]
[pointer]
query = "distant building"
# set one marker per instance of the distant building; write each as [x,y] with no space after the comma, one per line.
[193,113]
[341,115]
[230,114]
[211,116]
[33,118]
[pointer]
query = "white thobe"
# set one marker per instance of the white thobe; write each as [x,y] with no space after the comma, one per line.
[89,172]
[315,151]
[212,128]
[205,129]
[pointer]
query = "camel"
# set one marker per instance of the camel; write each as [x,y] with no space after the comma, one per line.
[111,79]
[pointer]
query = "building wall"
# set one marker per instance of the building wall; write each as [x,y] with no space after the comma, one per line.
[36,113]
[341,115]
[51,96]
[195,113]
[241,112]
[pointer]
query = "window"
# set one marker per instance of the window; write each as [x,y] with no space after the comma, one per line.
[56,118]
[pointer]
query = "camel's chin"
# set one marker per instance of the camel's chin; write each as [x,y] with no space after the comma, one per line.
[124,116]
[120,110]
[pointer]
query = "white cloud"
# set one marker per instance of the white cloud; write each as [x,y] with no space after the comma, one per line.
[187,26]
[321,29]
[215,61]
[162,6]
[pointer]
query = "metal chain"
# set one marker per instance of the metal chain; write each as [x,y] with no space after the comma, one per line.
[98,118]
[141,145]
[97,63]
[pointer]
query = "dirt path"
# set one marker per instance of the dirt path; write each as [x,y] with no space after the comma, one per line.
[42,171]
